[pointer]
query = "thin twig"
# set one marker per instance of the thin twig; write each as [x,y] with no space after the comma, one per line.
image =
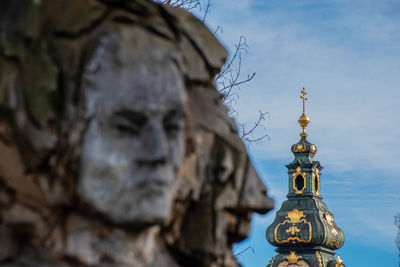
[241,252]
[207,10]
[248,135]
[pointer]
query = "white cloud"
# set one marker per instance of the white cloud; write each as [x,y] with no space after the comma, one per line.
[346,54]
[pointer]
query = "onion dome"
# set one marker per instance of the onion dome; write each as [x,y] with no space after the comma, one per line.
[304,146]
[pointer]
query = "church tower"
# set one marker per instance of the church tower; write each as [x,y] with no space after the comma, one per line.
[304,230]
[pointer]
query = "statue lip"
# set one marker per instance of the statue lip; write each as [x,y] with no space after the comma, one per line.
[153,184]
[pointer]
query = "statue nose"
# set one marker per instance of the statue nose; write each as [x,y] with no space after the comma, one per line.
[154,145]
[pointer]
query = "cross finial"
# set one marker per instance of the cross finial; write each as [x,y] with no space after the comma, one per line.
[304,120]
[303,96]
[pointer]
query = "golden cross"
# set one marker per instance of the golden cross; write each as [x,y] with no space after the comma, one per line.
[304,98]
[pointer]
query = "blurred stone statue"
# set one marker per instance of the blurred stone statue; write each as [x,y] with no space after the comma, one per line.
[134,144]
[115,146]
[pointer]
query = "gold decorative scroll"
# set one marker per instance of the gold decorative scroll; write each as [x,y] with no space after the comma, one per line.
[293,230]
[294,217]
[299,148]
[293,258]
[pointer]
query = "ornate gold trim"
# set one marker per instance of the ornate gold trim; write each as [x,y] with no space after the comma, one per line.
[319,258]
[329,218]
[295,174]
[316,176]
[299,148]
[295,216]
[293,258]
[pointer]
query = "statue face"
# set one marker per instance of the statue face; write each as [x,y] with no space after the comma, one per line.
[134,143]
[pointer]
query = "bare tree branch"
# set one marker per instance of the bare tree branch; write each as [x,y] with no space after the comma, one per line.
[230,78]
[241,252]
[249,135]
[207,10]
[221,30]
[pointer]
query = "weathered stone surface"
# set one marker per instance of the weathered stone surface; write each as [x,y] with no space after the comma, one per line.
[203,40]
[115,146]
[68,21]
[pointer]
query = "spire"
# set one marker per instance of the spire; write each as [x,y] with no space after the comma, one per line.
[304,230]
[304,120]
[304,146]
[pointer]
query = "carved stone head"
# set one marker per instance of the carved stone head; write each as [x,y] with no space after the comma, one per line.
[133,146]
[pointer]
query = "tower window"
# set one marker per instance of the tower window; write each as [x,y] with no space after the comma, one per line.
[299,183]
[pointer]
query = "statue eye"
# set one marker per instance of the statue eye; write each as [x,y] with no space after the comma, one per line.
[129,122]
[173,122]
[127,129]
[172,128]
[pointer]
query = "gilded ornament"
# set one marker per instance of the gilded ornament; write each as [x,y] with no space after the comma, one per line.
[298,172]
[334,232]
[332,242]
[294,217]
[293,258]
[319,258]
[293,230]
[339,262]
[313,149]
[329,218]
[299,148]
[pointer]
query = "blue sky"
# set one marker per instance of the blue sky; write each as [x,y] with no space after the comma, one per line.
[347,55]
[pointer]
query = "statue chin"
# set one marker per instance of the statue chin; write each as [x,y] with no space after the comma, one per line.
[145,204]
[153,210]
